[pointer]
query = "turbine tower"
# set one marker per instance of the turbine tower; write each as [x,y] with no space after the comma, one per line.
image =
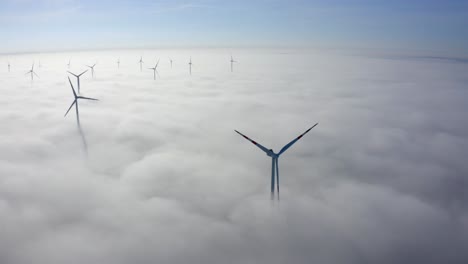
[92,69]
[118,63]
[232,63]
[75,102]
[8,66]
[155,70]
[78,78]
[190,65]
[171,62]
[32,72]
[141,63]
[274,158]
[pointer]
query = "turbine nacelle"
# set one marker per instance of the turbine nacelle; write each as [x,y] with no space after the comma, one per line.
[272,154]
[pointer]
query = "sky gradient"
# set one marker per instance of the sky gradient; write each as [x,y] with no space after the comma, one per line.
[49,25]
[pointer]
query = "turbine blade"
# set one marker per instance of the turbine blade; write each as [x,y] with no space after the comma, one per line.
[87,98]
[294,141]
[81,73]
[36,75]
[255,143]
[72,73]
[74,93]
[74,101]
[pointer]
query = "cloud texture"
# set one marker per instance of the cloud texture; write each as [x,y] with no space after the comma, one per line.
[165,179]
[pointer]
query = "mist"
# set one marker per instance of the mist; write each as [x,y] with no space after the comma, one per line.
[156,174]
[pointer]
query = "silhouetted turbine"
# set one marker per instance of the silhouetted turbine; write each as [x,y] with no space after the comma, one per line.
[75,102]
[78,78]
[155,70]
[190,66]
[141,63]
[92,69]
[32,72]
[232,63]
[274,158]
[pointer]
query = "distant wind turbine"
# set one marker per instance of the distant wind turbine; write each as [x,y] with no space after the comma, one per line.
[171,62]
[274,158]
[118,63]
[190,65]
[75,102]
[32,72]
[232,63]
[141,63]
[92,69]
[69,62]
[78,78]
[155,69]
[8,66]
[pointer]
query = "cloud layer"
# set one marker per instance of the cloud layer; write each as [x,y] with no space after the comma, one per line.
[165,179]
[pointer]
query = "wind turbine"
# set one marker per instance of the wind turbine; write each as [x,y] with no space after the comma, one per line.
[78,78]
[92,69]
[190,65]
[68,65]
[118,63]
[155,70]
[232,63]
[274,158]
[141,63]
[75,102]
[171,62]
[32,72]
[8,66]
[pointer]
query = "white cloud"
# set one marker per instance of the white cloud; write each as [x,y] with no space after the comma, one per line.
[167,180]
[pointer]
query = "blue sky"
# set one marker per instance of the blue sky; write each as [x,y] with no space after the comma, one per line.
[48,25]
